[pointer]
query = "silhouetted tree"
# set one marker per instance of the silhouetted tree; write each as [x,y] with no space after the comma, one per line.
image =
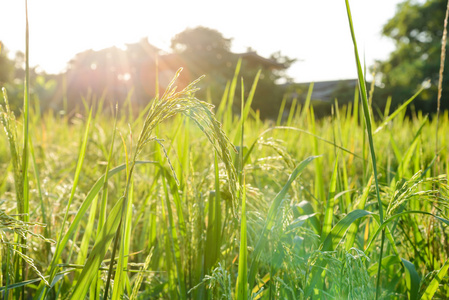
[417,30]
[206,52]
[6,66]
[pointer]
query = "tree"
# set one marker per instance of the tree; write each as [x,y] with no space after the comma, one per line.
[206,52]
[6,66]
[417,30]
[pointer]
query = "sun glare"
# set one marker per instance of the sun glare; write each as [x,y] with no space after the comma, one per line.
[314,32]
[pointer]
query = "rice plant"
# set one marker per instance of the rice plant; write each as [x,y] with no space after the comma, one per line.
[200,205]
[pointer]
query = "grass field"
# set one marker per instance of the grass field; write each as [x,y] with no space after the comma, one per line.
[195,202]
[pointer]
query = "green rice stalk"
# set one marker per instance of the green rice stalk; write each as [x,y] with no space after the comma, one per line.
[47,229]
[305,110]
[292,112]
[213,231]
[140,275]
[329,212]
[221,110]
[242,278]
[281,111]
[231,95]
[104,196]
[397,111]
[407,156]
[370,137]
[350,238]
[247,105]
[98,251]
[121,274]
[84,246]
[170,104]
[24,207]
[319,181]
[344,176]
[173,241]
[9,125]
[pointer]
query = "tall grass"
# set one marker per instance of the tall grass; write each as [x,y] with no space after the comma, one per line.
[296,211]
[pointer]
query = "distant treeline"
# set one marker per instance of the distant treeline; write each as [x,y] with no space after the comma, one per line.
[137,72]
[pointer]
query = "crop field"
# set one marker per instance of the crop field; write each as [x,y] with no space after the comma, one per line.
[183,200]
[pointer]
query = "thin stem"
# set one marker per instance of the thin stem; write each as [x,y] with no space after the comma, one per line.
[380,264]
[440,84]
[111,265]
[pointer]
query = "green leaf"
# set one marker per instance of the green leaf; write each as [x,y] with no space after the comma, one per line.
[329,213]
[242,279]
[306,208]
[337,233]
[412,279]
[435,283]
[361,205]
[397,111]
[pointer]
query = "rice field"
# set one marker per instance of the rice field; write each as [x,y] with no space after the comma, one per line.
[188,201]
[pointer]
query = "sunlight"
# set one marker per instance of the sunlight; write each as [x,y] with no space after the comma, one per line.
[61,29]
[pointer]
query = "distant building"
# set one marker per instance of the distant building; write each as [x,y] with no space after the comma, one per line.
[326,91]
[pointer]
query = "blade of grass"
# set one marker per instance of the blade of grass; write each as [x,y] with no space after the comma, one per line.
[329,212]
[367,117]
[434,284]
[242,278]
[230,102]
[47,229]
[84,246]
[338,231]
[281,111]
[305,109]
[361,205]
[173,241]
[121,273]
[397,111]
[25,153]
[412,278]
[213,231]
[247,104]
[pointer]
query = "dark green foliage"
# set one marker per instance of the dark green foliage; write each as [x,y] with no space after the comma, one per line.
[417,30]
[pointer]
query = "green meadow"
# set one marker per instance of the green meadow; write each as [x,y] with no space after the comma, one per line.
[183,200]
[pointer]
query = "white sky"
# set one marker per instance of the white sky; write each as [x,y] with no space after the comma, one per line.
[313,31]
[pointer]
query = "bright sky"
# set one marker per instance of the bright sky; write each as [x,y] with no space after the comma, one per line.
[313,31]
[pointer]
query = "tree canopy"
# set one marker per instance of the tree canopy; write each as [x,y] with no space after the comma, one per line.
[115,72]
[417,30]
[207,52]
